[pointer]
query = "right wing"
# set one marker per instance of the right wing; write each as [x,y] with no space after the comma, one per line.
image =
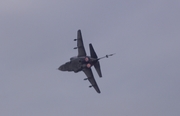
[91,79]
[80,45]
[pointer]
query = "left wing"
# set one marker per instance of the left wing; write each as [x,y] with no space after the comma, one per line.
[91,79]
[80,45]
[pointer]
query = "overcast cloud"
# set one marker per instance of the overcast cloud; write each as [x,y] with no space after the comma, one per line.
[142,79]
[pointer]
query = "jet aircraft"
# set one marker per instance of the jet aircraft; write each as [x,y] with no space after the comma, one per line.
[82,62]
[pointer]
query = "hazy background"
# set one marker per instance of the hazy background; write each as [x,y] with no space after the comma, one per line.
[142,79]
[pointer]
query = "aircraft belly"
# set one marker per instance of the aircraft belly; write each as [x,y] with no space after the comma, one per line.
[77,66]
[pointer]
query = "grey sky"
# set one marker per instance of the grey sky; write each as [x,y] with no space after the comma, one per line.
[142,79]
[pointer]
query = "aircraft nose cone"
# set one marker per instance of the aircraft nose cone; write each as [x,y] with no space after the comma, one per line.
[60,68]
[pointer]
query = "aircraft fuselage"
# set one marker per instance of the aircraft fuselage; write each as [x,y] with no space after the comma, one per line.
[77,64]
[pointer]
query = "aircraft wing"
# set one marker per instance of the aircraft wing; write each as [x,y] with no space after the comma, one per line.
[80,45]
[91,79]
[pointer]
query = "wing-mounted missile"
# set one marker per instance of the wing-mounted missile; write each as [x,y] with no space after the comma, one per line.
[75,39]
[86,79]
[90,86]
[78,47]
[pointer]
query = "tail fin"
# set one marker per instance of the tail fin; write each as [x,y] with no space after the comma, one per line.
[97,64]
[98,68]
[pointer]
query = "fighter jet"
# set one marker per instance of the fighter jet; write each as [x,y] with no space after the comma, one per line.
[82,62]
